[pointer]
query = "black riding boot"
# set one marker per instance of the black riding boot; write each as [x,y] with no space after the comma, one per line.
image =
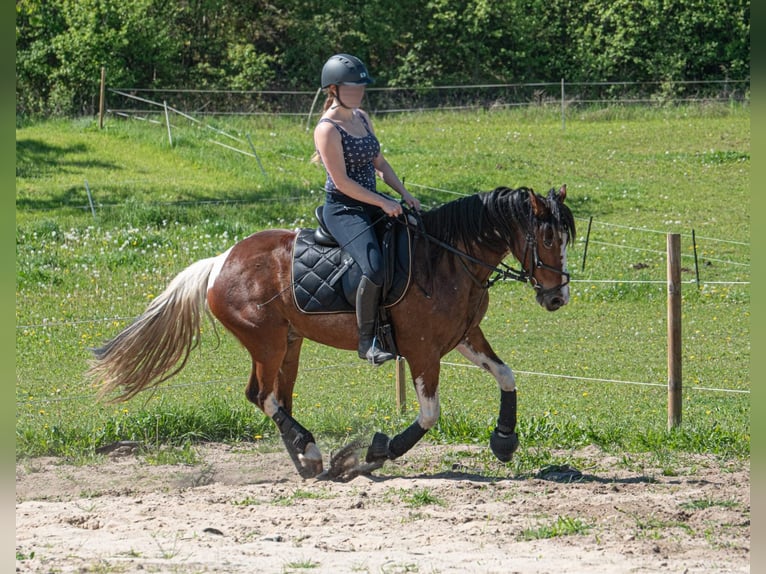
[367,301]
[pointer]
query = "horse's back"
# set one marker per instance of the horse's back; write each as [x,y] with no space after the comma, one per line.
[267,240]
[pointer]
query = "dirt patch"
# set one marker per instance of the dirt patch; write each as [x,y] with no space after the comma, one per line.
[243,511]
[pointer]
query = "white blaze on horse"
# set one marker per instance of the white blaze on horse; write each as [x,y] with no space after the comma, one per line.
[458,252]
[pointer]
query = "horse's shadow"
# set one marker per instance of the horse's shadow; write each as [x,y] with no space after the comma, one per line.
[469,475]
[346,464]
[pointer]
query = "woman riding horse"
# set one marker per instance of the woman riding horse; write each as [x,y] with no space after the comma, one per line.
[347,147]
[248,289]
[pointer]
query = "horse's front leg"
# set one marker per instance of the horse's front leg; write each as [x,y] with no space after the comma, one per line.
[503,441]
[426,379]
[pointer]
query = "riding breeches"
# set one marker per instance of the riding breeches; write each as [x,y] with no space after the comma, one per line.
[352,224]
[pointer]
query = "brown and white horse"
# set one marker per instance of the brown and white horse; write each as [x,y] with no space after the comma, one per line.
[248,289]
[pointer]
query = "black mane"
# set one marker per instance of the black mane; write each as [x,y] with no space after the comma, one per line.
[490,219]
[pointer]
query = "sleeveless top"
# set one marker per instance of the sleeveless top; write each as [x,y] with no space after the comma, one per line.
[358,153]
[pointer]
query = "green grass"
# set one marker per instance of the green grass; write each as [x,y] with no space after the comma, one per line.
[562,526]
[640,173]
[301,494]
[418,497]
[703,503]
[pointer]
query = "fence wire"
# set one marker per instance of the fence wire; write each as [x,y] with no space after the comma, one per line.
[406,99]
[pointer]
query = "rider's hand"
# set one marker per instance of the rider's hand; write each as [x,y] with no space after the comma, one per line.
[392,208]
[411,201]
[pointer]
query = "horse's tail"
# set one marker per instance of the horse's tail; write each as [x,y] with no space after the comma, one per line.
[145,353]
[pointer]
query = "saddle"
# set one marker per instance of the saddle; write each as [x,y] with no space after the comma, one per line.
[325,278]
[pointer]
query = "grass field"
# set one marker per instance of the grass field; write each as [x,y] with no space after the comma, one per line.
[640,173]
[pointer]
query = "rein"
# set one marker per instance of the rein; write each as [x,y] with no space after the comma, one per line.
[502,272]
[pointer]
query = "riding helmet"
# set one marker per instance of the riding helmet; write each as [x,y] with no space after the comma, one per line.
[345,69]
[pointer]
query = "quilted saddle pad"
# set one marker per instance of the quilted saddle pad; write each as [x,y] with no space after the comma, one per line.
[325,278]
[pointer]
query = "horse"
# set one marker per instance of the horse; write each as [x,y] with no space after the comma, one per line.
[458,247]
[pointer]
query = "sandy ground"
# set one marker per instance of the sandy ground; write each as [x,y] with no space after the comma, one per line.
[240,510]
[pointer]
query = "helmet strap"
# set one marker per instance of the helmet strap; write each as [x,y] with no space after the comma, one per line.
[336,97]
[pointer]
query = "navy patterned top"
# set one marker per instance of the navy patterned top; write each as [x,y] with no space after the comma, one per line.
[358,153]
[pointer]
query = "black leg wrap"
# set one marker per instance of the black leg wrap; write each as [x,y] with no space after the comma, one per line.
[293,434]
[404,441]
[506,422]
[504,441]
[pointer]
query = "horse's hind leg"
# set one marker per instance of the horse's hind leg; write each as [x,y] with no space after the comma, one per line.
[288,372]
[270,388]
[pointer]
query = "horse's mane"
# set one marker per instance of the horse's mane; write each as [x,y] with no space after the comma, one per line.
[490,219]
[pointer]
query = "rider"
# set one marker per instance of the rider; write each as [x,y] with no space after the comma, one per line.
[350,152]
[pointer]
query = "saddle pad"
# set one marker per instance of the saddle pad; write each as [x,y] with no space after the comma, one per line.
[318,273]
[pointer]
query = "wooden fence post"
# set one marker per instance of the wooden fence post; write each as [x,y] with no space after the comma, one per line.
[401,385]
[674,330]
[167,121]
[101,99]
[563,108]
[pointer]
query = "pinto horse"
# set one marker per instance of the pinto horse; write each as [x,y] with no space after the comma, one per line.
[458,248]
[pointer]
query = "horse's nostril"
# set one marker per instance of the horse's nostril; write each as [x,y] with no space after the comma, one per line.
[556,302]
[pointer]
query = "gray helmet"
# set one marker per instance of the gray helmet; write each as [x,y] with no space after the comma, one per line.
[345,69]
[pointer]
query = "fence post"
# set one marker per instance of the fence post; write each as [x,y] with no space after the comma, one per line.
[167,121]
[674,330]
[90,199]
[255,153]
[101,98]
[587,240]
[401,386]
[563,112]
[311,111]
[696,262]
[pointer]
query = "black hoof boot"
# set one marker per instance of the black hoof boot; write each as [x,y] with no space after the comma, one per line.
[378,450]
[503,445]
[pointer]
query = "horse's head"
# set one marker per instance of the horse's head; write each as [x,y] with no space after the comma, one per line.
[544,256]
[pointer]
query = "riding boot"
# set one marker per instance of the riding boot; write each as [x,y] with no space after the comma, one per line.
[367,301]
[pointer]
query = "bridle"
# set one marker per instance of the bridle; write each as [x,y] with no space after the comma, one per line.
[540,264]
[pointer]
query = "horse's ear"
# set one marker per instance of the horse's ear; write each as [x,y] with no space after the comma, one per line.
[563,193]
[539,208]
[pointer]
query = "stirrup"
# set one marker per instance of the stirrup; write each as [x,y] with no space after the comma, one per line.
[374,355]
[378,356]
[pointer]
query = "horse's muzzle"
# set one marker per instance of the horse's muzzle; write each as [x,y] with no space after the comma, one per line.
[553,299]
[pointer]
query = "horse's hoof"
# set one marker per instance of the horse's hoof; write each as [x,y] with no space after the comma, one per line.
[378,449]
[309,463]
[503,445]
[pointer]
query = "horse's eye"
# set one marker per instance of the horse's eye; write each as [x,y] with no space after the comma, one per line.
[548,237]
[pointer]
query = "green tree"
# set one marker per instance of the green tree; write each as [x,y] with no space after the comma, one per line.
[658,40]
[257,44]
[130,39]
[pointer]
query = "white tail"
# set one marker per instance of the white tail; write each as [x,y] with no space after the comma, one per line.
[149,350]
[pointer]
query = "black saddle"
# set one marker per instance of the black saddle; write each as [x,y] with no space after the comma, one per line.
[325,277]
[322,235]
